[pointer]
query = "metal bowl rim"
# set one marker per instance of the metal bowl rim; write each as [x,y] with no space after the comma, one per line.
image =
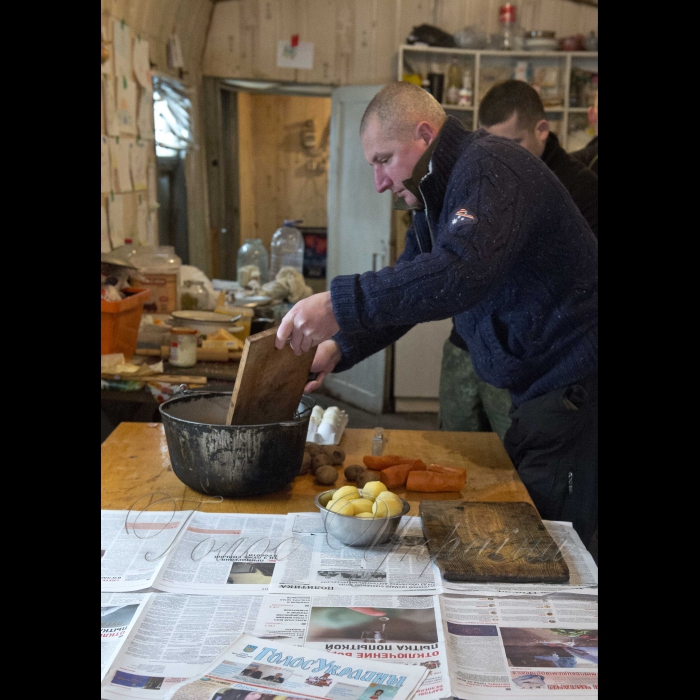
[304,415]
[406,507]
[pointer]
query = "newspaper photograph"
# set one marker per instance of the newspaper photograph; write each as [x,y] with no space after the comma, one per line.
[135,546]
[583,572]
[396,629]
[278,668]
[499,646]
[172,639]
[119,613]
[226,554]
[319,562]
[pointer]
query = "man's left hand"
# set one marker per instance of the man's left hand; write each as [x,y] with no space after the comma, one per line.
[308,323]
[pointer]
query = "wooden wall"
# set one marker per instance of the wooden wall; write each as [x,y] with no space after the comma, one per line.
[280,178]
[154,20]
[355,41]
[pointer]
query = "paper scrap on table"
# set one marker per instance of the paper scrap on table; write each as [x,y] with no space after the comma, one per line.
[105,174]
[299,56]
[122,48]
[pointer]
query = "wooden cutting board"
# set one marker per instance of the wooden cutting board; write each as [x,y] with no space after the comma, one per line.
[491,542]
[269,383]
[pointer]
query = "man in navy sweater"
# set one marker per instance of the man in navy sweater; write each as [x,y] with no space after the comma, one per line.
[498,244]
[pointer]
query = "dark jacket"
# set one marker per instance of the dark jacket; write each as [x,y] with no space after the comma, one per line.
[588,155]
[581,183]
[500,246]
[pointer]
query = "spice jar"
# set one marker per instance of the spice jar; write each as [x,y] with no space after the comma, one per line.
[183,347]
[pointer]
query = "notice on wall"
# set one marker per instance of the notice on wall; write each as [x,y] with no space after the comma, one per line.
[122,49]
[152,187]
[299,56]
[126,105]
[141,62]
[142,220]
[108,65]
[115,216]
[144,122]
[105,246]
[138,160]
[109,96]
[121,166]
[105,170]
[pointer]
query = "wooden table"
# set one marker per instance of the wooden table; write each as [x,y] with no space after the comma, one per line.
[136,465]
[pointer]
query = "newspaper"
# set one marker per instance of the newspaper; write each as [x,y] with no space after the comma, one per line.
[191,552]
[226,553]
[583,572]
[134,546]
[256,665]
[500,646]
[172,638]
[119,612]
[320,563]
[396,629]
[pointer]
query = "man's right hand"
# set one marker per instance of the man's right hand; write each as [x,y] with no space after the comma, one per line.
[328,355]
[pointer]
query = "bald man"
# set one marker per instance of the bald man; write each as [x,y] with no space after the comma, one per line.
[498,244]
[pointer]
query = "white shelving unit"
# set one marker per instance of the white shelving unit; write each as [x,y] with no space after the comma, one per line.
[422,57]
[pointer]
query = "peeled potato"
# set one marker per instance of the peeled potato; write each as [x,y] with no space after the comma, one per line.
[342,507]
[387,496]
[364,515]
[344,499]
[386,508]
[362,505]
[345,491]
[373,489]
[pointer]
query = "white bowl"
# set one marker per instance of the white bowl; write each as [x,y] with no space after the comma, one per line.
[204,321]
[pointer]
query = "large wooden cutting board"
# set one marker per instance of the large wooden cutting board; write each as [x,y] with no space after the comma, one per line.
[269,383]
[491,542]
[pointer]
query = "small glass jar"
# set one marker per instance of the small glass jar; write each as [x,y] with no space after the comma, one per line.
[183,347]
[194,295]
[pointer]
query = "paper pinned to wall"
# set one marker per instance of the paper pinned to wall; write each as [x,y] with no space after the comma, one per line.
[122,48]
[144,123]
[299,56]
[142,220]
[105,171]
[142,64]
[126,105]
[138,160]
[110,105]
[121,166]
[105,246]
[152,187]
[115,211]
[108,65]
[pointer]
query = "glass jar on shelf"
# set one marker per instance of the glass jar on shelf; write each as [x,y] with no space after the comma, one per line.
[252,262]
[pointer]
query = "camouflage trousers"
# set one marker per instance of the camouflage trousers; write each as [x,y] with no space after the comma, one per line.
[468,403]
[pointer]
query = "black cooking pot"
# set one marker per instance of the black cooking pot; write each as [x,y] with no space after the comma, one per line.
[232,460]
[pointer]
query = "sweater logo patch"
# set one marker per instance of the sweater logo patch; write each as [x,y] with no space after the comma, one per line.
[463,216]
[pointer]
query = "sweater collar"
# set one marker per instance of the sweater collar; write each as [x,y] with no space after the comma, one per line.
[442,151]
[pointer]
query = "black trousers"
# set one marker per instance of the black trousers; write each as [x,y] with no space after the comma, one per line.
[553,442]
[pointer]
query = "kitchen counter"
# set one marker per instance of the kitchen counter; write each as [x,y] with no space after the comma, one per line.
[136,467]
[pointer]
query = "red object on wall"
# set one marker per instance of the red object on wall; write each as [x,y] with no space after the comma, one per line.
[506,13]
[295,40]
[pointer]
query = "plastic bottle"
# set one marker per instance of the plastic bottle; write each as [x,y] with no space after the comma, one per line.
[161,269]
[507,18]
[252,262]
[454,83]
[466,94]
[287,248]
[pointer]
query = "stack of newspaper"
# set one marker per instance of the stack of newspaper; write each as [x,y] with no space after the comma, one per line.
[228,606]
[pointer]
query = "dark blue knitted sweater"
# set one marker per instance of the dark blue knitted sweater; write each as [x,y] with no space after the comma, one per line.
[500,246]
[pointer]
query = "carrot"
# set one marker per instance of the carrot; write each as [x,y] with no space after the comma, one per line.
[445,470]
[385,461]
[395,476]
[436,480]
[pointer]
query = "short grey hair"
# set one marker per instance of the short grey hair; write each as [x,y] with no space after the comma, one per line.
[399,107]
